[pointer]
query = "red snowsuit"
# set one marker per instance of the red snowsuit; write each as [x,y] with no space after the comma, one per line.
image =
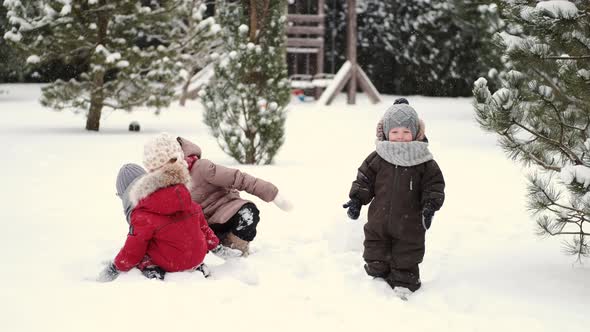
[166,225]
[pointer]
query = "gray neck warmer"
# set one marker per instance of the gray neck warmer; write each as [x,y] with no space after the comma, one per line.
[404,153]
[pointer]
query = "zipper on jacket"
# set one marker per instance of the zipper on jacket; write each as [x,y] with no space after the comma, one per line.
[411,180]
[393,196]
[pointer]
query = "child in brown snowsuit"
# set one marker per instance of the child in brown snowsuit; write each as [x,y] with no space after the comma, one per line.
[405,187]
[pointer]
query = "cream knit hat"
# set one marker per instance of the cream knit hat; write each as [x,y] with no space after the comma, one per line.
[159,150]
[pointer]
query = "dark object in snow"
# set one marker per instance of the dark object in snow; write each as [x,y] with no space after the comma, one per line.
[134,126]
[154,272]
[401,101]
[354,208]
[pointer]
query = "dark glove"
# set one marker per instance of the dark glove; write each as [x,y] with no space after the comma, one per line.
[427,214]
[109,273]
[354,208]
[154,272]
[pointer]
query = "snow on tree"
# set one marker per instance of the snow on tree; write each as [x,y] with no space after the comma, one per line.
[542,111]
[246,100]
[12,65]
[200,39]
[131,49]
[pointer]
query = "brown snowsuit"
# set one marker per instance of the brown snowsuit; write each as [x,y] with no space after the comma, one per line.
[394,234]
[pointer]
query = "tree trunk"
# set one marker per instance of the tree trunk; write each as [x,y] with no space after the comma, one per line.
[96,103]
[253,20]
[97,94]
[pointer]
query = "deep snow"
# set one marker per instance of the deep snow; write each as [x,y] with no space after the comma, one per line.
[484,269]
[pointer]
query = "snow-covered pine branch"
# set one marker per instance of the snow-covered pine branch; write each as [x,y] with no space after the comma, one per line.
[542,110]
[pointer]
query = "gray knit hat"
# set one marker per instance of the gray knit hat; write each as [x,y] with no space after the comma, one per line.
[127,174]
[400,115]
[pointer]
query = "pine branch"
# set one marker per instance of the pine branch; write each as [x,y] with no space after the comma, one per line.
[580,57]
[549,81]
[559,145]
[531,156]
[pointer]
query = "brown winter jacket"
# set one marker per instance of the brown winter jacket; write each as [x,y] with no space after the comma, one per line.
[398,194]
[216,188]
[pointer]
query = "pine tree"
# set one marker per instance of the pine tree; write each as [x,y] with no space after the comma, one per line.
[245,102]
[130,50]
[542,111]
[11,69]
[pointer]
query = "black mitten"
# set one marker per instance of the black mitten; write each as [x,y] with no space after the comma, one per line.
[354,208]
[427,214]
[154,272]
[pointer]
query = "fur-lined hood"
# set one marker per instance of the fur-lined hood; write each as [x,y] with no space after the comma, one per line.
[168,175]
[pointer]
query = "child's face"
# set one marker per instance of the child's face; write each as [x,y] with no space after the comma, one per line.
[400,134]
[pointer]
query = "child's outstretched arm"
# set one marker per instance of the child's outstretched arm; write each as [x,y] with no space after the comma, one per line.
[232,178]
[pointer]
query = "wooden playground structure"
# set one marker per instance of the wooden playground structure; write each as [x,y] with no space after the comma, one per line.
[306,29]
[306,48]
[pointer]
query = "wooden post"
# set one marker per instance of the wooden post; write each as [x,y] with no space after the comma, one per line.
[350,72]
[351,36]
[320,54]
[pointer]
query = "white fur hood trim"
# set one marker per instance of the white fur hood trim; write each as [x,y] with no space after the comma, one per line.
[167,175]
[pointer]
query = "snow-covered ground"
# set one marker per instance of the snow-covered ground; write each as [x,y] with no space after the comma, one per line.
[484,269]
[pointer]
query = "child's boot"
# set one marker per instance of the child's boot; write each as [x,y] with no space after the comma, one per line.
[154,272]
[234,242]
[204,269]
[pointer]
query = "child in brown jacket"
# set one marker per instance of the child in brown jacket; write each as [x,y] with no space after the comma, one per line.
[217,189]
[404,187]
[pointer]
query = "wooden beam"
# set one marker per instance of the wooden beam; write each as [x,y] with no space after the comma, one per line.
[298,30]
[305,42]
[367,86]
[351,36]
[304,18]
[302,50]
[338,83]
